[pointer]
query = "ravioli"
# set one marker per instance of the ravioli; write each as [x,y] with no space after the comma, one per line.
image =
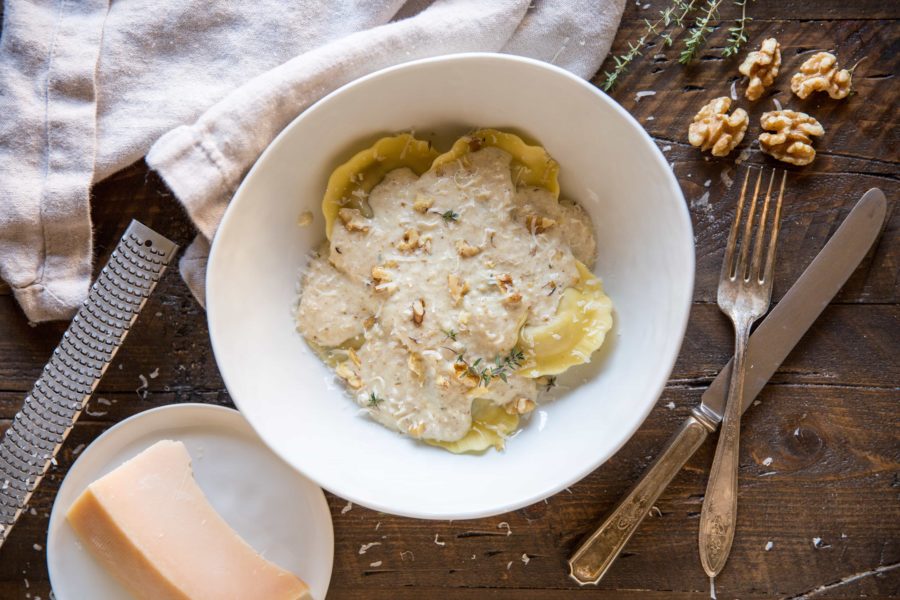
[530,166]
[578,329]
[351,182]
[490,427]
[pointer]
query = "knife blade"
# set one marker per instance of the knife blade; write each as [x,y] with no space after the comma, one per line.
[786,324]
[769,345]
[76,366]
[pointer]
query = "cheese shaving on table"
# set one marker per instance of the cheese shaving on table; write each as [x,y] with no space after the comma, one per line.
[365,547]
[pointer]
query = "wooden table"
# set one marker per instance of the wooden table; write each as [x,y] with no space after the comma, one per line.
[820,455]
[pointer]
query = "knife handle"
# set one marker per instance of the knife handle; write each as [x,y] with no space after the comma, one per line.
[596,555]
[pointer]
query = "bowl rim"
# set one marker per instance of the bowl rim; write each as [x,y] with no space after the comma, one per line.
[684,313]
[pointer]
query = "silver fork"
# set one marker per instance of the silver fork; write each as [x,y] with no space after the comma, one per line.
[745,291]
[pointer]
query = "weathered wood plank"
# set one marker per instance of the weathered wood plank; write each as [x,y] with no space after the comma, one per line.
[828,421]
[852,345]
[786,10]
[832,476]
[858,126]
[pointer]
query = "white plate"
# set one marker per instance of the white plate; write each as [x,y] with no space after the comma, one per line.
[276,510]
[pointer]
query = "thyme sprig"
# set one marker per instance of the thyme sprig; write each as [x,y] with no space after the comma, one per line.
[374,400]
[500,368]
[737,34]
[449,333]
[696,37]
[450,215]
[673,15]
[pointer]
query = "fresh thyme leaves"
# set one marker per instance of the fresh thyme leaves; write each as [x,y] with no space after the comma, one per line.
[449,333]
[737,34]
[501,367]
[674,15]
[374,400]
[450,215]
[551,383]
[668,26]
[696,37]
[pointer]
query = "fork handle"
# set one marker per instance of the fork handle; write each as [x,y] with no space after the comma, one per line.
[598,552]
[719,513]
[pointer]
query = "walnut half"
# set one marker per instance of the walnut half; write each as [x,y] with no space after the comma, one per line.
[791,140]
[820,74]
[761,67]
[713,129]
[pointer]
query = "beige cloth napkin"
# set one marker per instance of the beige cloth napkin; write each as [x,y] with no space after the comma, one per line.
[88,87]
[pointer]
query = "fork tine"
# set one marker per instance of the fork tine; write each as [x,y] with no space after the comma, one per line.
[747,238]
[761,233]
[728,266]
[776,225]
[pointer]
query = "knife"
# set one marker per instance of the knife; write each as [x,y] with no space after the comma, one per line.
[76,366]
[772,341]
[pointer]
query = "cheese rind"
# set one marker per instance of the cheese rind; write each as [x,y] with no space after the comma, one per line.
[150,525]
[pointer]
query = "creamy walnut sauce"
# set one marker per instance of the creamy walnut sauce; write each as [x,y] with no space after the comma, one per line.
[422,302]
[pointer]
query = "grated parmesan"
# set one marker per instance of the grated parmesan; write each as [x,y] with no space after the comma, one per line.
[365,547]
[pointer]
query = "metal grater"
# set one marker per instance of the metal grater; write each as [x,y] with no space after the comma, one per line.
[77,364]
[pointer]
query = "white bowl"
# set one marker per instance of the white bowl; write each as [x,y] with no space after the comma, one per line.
[646,260]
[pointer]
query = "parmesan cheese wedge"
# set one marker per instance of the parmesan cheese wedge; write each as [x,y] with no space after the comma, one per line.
[150,525]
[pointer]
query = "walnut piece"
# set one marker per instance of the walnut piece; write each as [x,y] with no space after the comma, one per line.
[422,203]
[353,220]
[538,224]
[466,250]
[512,299]
[761,67]
[417,365]
[409,242]
[465,374]
[713,129]
[519,406]
[820,74]
[791,141]
[346,372]
[380,275]
[418,311]
[458,288]
[504,280]
[416,429]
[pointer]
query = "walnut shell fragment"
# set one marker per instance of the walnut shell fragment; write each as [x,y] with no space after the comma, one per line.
[820,74]
[713,129]
[761,67]
[791,140]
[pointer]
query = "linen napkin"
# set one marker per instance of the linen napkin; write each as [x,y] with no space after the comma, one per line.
[88,87]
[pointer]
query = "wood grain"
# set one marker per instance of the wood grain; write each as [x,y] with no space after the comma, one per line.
[828,420]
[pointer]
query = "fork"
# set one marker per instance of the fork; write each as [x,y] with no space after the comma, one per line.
[745,291]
